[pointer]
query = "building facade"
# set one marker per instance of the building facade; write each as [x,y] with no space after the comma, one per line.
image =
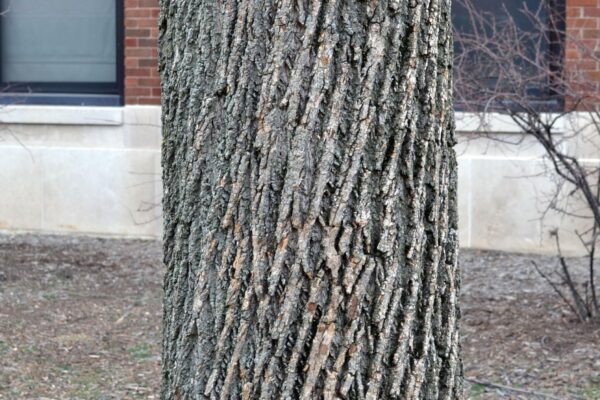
[80,120]
[80,128]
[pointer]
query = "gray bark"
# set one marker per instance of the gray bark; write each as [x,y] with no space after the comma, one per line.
[310,200]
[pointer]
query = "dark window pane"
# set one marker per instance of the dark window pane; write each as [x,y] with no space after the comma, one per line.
[500,10]
[58,41]
[505,50]
[527,16]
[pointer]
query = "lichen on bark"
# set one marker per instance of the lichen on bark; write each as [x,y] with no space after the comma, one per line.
[310,200]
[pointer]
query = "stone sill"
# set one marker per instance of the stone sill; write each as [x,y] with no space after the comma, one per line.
[61,115]
[467,122]
[113,116]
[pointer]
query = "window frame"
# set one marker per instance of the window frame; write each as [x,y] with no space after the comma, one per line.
[73,93]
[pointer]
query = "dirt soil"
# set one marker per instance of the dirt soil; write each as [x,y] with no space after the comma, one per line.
[80,319]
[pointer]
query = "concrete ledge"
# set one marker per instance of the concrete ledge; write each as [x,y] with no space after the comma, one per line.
[63,115]
[469,122]
[97,171]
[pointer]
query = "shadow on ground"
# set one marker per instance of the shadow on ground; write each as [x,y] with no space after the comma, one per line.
[80,319]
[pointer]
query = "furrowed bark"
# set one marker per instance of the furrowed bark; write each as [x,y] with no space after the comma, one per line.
[310,200]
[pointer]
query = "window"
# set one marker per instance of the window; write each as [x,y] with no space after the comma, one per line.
[507,50]
[61,52]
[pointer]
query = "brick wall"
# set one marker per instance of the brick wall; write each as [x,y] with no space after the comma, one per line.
[142,83]
[583,45]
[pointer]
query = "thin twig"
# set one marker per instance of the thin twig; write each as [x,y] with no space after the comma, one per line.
[593,254]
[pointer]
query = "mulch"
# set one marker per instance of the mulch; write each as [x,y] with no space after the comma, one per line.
[80,318]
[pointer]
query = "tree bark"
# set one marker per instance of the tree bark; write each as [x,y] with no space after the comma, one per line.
[310,232]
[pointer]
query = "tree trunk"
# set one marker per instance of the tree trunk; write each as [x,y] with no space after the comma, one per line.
[310,200]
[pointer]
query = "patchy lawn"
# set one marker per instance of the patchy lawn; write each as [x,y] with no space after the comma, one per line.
[517,333]
[80,319]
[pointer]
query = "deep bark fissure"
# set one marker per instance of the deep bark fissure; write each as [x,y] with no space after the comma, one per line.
[310,211]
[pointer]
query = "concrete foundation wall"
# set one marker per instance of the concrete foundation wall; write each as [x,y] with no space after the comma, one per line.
[97,171]
[508,190]
[81,170]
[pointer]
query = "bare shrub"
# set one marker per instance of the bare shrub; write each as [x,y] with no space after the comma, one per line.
[515,65]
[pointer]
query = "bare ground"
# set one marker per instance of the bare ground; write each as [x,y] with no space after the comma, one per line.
[80,319]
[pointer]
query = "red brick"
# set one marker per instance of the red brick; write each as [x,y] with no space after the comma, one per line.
[586,65]
[138,72]
[572,3]
[583,23]
[132,32]
[146,23]
[147,42]
[591,34]
[574,12]
[148,62]
[593,75]
[138,13]
[138,52]
[154,3]
[149,82]
[138,91]
[572,53]
[132,62]
[591,12]
[148,100]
